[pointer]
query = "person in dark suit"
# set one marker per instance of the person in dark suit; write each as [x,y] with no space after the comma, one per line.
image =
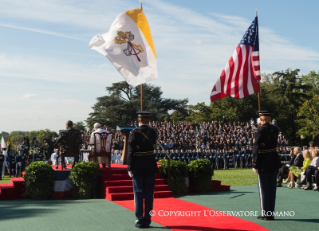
[1,163]
[62,140]
[296,160]
[12,164]
[141,166]
[265,164]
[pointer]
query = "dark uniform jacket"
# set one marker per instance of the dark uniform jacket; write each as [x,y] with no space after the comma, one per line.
[141,158]
[1,160]
[265,155]
[19,158]
[11,160]
[37,157]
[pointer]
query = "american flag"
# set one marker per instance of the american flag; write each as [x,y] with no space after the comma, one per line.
[242,72]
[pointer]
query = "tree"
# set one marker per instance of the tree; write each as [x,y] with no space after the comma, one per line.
[312,79]
[79,126]
[290,92]
[120,105]
[309,119]
[46,134]
[199,113]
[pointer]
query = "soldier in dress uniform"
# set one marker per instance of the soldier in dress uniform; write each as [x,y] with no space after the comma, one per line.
[1,163]
[141,166]
[265,163]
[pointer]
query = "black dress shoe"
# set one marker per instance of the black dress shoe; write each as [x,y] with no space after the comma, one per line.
[137,225]
[308,188]
[278,185]
[261,218]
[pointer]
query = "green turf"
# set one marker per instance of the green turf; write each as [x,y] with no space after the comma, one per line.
[66,215]
[246,198]
[5,179]
[235,177]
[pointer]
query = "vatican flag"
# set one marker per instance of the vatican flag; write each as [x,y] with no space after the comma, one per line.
[129,46]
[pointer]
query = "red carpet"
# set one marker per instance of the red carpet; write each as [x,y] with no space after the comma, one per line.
[198,221]
[116,184]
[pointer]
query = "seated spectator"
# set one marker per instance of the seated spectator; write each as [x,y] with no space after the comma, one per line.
[284,170]
[296,171]
[312,168]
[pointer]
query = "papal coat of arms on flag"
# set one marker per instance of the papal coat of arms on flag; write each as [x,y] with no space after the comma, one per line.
[129,46]
[132,49]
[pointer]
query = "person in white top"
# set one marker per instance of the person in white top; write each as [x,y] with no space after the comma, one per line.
[98,129]
[54,156]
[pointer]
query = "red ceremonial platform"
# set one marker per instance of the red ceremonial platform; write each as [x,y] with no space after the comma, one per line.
[117,186]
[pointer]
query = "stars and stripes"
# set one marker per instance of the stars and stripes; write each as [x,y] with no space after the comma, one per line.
[242,72]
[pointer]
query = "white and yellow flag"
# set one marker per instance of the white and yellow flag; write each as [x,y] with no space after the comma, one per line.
[129,46]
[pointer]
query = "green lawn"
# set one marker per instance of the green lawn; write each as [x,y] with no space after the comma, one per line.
[5,179]
[236,177]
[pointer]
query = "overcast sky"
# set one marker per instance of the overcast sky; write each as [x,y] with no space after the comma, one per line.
[49,75]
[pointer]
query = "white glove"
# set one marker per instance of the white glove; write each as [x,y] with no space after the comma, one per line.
[255,170]
[130,173]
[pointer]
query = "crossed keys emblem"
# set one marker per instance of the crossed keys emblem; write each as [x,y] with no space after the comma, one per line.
[132,49]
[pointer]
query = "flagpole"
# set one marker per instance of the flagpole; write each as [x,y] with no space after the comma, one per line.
[141,1]
[259,62]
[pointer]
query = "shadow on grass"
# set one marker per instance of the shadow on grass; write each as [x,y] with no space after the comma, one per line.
[215,193]
[302,220]
[15,209]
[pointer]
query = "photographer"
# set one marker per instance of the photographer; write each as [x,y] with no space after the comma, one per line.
[48,148]
[38,156]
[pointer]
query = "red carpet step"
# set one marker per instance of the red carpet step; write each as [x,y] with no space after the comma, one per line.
[13,190]
[217,186]
[118,185]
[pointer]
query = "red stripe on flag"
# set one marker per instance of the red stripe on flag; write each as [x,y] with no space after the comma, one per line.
[239,75]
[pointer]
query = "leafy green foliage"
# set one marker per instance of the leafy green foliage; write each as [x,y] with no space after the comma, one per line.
[309,119]
[38,180]
[85,176]
[178,172]
[120,105]
[79,126]
[201,172]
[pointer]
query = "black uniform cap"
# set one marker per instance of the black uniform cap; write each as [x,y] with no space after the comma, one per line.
[264,113]
[143,114]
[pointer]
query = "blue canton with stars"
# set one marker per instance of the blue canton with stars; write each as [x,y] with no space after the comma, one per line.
[251,36]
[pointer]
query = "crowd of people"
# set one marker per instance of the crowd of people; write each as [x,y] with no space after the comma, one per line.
[224,144]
